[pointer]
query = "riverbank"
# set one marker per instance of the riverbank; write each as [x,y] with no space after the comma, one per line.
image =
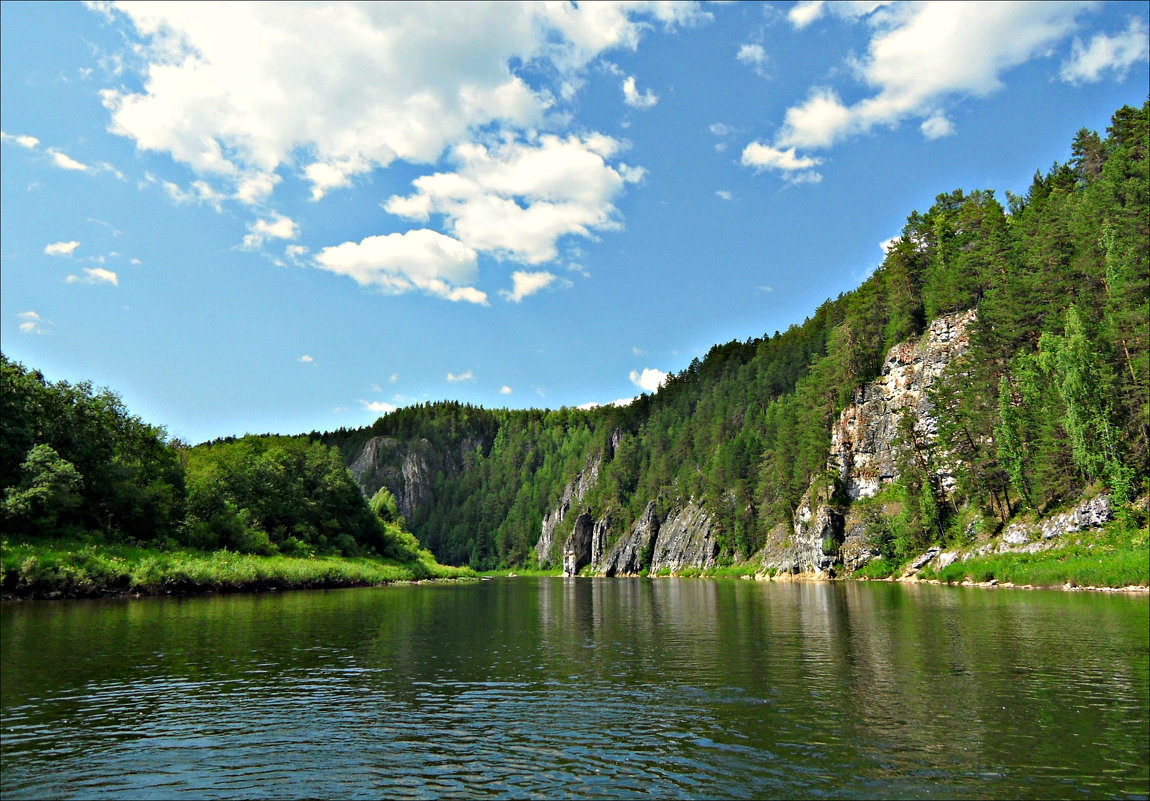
[63,570]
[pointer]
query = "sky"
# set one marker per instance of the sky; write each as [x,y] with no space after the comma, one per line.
[285,218]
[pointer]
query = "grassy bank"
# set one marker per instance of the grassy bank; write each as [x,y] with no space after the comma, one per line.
[57,569]
[1117,555]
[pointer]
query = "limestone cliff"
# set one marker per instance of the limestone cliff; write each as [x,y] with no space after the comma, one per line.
[864,453]
[863,440]
[407,469]
[572,493]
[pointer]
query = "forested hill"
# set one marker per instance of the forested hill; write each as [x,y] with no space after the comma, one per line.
[1051,400]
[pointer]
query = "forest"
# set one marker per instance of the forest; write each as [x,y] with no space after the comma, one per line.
[1053,401]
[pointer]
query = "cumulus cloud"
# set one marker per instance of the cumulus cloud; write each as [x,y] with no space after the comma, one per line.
[306,359]
[753,55]
[923,53]
[937,126]
[516,200]
[23,140]
[277,227]
[1115,54]
[633,98]
[240,88]
[723,194]
[466,375]
[32,323]
[61,248]
[422,259]
[525,284]
[505,390]
[94,275]
[649,380]
[379,407]
[66,162]
[795,168]
[805,12]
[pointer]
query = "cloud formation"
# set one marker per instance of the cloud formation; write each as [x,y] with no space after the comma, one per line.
[524,284]
[466,375]
[379,407]
[796,169]
[94,275]
[1114,54]
[32,323]
[61,248]
[633,98]
[516,200]
[649,380]
[422,260]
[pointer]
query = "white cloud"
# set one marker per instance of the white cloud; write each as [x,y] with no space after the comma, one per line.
[505,390]
[94,275]
[379,407]
[937,126]
[805,12]
[66,162]
[32,323]
[723,194]
[517,200]
[278,227]
[466,375]
[23,140]
[393,377]
[649,380]
[1116,54]
[422,260]
[797,169]
[765,288]
[525,284]
[237,89]
[61,248]
[887,244]
[633,98]
[753,55]
[306,359]
[923,53]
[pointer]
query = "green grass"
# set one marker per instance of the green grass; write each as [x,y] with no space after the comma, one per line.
[1119,568]
[60,569]
[876,569]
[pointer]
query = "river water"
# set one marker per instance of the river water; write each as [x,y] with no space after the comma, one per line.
[580,688]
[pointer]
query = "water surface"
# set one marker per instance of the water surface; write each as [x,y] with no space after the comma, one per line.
[580,688]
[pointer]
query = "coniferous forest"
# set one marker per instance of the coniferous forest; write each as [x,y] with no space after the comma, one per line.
[1051,402]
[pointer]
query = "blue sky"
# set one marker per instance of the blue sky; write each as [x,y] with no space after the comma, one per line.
[286,218]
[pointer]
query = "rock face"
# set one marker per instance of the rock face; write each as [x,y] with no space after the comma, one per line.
[863,453]
[407,470]
[684,541]
[585,545]
[814,542]
[579,486]
[627,557]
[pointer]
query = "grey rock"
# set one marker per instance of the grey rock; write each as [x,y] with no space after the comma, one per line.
[863,449]
[626,557]
[685,541]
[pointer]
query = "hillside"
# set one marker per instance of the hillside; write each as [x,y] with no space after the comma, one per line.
[1046,402]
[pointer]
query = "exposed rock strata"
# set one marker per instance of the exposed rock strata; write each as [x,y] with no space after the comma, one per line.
[627,556]
[864,452]
[573,493]
[685,541]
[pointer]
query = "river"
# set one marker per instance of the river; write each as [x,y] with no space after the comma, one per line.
[580,688]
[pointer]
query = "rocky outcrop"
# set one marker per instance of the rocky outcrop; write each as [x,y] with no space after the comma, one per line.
[864,448]
[585,545]
[630,554]
[573,493]
[685,541]
[1023,537]
[815,537]
[864,452]
[407,469]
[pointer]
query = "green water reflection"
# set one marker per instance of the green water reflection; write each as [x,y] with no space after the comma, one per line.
[580,688]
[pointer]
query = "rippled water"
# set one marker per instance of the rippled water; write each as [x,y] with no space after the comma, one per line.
[580,688]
